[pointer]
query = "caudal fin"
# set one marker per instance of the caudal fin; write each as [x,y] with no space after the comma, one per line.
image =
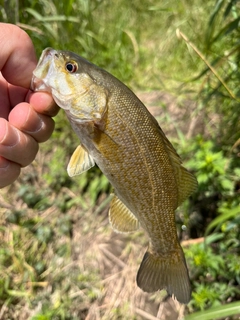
[156,273]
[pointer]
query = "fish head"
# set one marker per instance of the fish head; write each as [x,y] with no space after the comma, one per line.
[66,76]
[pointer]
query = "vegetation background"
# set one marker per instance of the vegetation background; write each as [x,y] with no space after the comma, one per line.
[59,259]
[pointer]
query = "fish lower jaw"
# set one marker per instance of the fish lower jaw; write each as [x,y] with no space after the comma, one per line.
[39,85]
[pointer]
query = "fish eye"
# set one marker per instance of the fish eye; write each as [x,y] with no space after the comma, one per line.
[71,67]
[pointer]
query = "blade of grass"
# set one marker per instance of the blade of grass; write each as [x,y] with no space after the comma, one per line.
[216,312]
[184,37]
[222,218]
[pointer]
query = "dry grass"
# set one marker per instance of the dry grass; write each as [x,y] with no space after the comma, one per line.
[93,279]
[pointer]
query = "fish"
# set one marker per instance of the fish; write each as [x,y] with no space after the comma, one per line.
[120,136]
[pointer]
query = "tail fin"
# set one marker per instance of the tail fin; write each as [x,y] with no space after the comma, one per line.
[170,273]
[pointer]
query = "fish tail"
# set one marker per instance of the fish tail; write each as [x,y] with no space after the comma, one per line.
[169,272]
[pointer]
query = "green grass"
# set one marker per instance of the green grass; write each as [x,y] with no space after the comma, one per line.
[59,258]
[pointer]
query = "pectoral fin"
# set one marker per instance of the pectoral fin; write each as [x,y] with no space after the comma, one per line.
[121,218]
[80,161]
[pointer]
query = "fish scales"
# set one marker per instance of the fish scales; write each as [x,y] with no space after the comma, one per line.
[151,196]
[150,170]
[119,134]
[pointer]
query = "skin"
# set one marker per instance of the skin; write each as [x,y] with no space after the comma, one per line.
[25,117]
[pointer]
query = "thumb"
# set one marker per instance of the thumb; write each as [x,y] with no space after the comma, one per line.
[17,55]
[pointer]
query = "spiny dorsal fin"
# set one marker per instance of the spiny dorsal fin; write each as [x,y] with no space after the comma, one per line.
[121,218]
[80,161]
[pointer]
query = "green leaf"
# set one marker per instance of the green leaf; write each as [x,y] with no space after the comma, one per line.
[213,238]
[17,293]
[229,214]
[229,8]
[34,13]
[203,178]
[216,312]
[231,26]
[216,11]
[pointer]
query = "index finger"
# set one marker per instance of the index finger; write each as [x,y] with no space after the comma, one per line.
[17,56]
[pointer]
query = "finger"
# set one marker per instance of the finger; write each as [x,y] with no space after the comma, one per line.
[43,103]
[18,57]
[16,94]
[4,98]
[15,145]
[26,119]
[9,172]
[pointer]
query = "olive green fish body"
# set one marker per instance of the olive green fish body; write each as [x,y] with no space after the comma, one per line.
[119,134]
[133,156]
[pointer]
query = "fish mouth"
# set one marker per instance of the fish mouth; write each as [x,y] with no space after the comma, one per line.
[43,70]
[39,85]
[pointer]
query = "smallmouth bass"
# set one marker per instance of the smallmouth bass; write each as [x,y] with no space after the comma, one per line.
[118,133]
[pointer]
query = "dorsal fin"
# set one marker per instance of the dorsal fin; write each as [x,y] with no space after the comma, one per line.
[186,182]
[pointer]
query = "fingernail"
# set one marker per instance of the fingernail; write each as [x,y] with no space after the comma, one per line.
[34,122]
[36,128]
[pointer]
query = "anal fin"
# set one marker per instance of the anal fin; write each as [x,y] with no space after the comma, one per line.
[80,161]
[121,218]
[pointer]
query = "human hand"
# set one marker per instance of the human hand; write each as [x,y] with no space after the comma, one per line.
[25,117]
